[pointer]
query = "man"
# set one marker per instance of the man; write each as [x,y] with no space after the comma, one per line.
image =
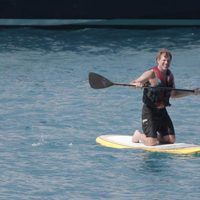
[156,123]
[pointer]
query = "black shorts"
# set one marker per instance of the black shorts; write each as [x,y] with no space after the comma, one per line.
[156,121]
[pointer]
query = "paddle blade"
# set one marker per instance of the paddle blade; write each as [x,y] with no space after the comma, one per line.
[98,82]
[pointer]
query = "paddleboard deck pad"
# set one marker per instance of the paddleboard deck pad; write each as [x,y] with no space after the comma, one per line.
[125,141]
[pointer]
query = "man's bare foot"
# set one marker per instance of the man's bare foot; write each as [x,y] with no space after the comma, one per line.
[136,137]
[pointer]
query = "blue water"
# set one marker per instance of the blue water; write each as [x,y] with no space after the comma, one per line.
[50,117]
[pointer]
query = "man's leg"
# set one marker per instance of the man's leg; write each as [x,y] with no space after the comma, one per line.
[167,139]
[141,137]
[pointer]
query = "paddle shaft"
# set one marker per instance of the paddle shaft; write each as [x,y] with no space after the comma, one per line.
[164,88]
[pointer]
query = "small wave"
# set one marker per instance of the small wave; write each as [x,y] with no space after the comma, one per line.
[39,143]
[36,144]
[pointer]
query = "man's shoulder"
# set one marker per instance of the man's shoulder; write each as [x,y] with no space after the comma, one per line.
[151,73]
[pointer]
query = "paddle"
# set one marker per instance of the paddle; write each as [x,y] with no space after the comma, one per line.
[99,82]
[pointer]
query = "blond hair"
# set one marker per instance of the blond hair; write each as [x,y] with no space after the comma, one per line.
[166,52]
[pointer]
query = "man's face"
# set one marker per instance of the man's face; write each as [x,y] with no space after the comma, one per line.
[164,62]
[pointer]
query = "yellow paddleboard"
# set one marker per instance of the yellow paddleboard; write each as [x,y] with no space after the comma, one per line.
[125,141]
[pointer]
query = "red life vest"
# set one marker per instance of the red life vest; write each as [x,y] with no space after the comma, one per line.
[156,97]
[168,81]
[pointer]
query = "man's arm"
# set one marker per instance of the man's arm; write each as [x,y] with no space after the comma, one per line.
[141,80]
[178,94]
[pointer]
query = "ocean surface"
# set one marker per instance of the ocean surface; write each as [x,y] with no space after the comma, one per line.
[50,116]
